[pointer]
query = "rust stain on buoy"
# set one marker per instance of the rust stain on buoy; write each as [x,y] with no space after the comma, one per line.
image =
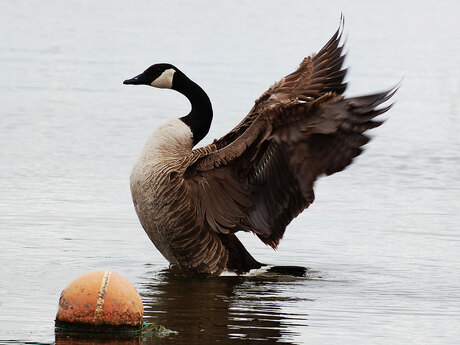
[100,299]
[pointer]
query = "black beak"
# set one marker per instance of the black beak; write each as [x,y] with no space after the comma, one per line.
[137,80]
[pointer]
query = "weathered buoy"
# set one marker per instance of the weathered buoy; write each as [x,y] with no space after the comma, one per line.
[100,301]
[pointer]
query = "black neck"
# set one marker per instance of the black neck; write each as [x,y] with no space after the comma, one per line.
[200,117]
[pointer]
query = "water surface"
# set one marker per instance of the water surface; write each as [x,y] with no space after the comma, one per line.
[381,240]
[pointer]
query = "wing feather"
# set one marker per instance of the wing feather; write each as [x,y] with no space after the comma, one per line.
[261,174]
[315,76]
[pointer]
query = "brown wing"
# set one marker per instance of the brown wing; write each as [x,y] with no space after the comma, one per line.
[316,75]
[260,176]
[260,185]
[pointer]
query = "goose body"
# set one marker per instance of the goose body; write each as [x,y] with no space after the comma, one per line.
[151,180]
[256,178]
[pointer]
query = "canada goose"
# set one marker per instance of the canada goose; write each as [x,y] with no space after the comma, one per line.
[256,178]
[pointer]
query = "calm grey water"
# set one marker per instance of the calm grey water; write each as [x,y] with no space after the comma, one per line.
[382,239]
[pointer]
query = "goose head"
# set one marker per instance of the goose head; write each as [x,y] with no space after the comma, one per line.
[160,75]
[166,76]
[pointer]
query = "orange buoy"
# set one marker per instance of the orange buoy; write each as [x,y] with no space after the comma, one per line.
[100,300]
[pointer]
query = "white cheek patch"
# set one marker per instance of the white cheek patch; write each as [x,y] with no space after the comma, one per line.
[164,81]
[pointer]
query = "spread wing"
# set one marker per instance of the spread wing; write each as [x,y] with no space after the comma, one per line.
[316,75]
[261,175]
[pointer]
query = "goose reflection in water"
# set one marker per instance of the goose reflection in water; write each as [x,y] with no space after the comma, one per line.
[226,309]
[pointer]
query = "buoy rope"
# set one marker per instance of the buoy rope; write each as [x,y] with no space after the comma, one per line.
[101,298]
